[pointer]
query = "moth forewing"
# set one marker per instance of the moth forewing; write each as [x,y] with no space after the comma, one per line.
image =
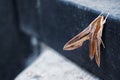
[80,38]
[97,55]
[76,44]
[99,40]
[91,47]
[92,41]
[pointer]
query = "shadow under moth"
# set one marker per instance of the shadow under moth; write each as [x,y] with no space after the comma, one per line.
[93,33]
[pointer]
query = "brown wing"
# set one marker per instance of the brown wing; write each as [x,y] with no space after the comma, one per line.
[99,40]
[93,36]
[97,55]
[78,40]
[92,46]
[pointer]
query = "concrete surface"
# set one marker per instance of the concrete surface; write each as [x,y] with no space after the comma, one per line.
[52,66]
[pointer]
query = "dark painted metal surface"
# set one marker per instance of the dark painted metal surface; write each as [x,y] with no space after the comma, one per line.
[29,12]
[14,44]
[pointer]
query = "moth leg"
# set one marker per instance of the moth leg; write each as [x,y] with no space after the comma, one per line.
[102,43]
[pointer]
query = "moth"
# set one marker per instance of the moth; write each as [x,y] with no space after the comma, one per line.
[93,33]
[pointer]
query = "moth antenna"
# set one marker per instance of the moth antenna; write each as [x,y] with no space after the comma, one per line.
[106,18]
[100,13]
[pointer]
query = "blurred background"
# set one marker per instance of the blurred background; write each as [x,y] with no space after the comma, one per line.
[33,32]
